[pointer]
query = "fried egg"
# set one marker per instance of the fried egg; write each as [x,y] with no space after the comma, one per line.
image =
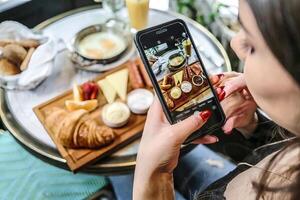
[101,45]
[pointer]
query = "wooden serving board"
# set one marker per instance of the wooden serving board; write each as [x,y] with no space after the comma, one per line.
[77,158]
[196,91]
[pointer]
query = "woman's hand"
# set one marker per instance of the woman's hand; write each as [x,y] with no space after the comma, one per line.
[160,145]
[159,151]
[161,142]
[236,101]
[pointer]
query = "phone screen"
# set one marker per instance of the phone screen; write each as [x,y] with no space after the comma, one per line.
[179,73]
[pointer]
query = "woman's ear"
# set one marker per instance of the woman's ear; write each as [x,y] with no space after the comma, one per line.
[237,44]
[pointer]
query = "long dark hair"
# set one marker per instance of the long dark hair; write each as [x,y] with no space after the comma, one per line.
[279,23]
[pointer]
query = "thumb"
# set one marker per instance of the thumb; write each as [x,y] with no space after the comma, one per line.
[234,85]
[186,127]
[229,125]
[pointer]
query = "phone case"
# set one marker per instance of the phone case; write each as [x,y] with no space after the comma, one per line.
[198,133]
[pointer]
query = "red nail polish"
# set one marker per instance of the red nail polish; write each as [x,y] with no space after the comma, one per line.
[205,115]
[222,95]
[220,76]
[219,90]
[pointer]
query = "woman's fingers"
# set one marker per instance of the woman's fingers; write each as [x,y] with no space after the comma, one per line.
[235,85]
[240,120]
[207,139]
[214,79]
[186,127]
[218,79]
[232,104]
[155,116]
[229,125]
[156,109]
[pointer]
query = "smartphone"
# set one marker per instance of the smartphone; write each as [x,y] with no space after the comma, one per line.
[178,75]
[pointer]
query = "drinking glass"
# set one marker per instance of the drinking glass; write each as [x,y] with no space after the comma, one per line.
[113,5]
[138,11]
[187,46]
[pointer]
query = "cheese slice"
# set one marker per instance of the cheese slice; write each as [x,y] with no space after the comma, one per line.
[108,91]
[118,81]
[178,77]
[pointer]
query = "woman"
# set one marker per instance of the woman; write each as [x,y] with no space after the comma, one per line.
[269,44]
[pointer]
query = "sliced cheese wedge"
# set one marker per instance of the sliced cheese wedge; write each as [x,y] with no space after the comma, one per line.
[178,77]
[108,90]
[118,81]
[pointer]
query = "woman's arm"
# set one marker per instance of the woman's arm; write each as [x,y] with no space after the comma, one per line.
[159,152]
[153,186]
[248,131]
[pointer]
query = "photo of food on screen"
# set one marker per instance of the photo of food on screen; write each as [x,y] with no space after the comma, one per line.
[179,73]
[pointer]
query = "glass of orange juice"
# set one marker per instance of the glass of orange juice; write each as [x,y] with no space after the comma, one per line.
[138,11]
[187,45]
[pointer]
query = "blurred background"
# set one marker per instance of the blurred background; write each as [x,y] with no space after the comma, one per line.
[219,16]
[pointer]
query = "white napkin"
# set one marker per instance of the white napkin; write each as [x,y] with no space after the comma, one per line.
[41,62]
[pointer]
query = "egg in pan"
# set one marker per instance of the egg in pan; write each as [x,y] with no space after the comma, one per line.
[101,45]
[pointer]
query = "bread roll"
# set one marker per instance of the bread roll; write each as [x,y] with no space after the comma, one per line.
[14,53]
[26,61]
[4,42]
[29,43]
[26,43]
[7,68]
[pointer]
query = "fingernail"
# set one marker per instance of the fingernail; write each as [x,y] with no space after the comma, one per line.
[220,76]
[205,115]
[222,95]
[217,139]
[219,89]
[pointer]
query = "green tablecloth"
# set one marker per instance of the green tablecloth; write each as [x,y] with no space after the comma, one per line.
[23,176]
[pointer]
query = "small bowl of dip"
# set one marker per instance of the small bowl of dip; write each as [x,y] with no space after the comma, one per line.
[115,115]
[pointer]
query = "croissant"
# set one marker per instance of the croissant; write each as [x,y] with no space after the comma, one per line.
[77,129]
[90,134]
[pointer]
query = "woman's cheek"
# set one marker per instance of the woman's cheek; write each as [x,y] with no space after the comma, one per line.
[253,77]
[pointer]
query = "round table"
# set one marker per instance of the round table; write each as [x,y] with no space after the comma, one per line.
[16,106]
